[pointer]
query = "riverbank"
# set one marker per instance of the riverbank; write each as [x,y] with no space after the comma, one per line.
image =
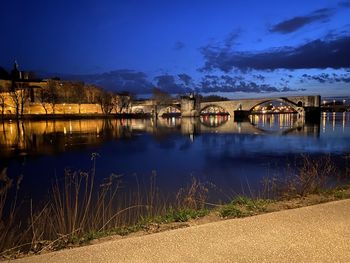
[75,116]
[309,234]
[239,207]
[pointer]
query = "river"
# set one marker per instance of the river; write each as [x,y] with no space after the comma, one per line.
[233,157]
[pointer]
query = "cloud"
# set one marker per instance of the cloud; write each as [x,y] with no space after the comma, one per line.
[226,83]
[179,45]
[185,78]
[169,83]
[320,53]
[259,77]
[118,80]
[327,78]
[295,23]
[231,39]
[345,4]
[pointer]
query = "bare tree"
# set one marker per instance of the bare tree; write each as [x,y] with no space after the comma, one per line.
[79,94]
[2,100]
[105,99]
[121,102]
[160,97]
[19,95]
[91,94]
[44,99]
[52,94]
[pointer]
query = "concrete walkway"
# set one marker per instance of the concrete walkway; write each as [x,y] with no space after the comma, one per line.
[318,233]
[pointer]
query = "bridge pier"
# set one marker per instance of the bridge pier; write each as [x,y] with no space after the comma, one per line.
[312,114]
[241,115]
[188,107]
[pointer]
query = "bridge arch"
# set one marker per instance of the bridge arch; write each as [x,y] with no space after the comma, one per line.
[213,109]
[294,106]
[170,110]
[138,110]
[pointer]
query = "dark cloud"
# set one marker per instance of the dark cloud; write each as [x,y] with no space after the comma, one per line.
[168,84]
[295,23]
[345,4]
[330,53]
[284,81]
[286,89]
[231,39]
[225,83]
[118,80]
[259,77]
[179,45]
[185,78]
[327,78]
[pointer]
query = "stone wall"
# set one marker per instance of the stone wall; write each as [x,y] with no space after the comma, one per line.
[38,108]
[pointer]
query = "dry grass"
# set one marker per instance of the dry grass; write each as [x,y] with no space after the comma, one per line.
[311,177]
[9,223]
[192,196]
[78,209]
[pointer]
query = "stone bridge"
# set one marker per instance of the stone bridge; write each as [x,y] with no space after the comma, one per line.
[240,108]
[243,107]
[155,108]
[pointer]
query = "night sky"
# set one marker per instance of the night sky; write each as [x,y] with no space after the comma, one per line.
[231,48]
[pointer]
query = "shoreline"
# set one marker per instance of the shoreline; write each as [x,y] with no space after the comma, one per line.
[77,116]
[239,207]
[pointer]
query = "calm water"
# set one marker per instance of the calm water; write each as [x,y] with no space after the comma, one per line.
[233,156]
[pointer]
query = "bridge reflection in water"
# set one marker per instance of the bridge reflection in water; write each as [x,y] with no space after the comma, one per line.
[50,137]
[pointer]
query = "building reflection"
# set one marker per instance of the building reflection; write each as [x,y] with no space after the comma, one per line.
[53,136]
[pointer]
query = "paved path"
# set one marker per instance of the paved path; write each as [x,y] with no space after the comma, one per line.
[318,233]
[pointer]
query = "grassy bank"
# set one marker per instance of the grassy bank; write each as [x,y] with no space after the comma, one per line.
[79,211]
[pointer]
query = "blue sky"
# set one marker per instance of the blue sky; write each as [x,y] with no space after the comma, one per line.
[233,48]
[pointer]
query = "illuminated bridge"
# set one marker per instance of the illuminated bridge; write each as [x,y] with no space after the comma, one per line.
[303,105]
[188,106]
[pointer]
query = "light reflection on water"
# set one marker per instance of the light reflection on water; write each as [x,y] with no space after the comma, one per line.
[214,148]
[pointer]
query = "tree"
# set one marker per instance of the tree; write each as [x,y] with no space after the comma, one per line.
[19,95]
[52,94]
[44,98]
[91,93]
[121,102]
[2,101]
[105,99]
[160,97]
[79,94]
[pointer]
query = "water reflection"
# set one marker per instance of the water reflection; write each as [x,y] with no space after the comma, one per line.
[214,120]
[49,137]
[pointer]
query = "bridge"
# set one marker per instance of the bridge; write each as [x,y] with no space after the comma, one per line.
[305,106]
